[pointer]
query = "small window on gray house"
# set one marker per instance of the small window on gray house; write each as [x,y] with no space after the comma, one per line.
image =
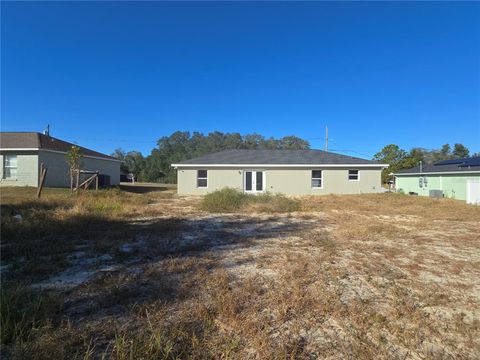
[202,178]
[353,175]
[316,178]
[10,166]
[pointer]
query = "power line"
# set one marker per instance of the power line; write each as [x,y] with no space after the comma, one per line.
[112,140]
[338,144]
[351,151]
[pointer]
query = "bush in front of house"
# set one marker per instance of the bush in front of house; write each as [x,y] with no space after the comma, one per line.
[228,200]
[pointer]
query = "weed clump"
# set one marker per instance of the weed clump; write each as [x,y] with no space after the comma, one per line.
[229,200]
[23,311]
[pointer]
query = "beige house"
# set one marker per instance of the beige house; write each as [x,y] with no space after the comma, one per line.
[291,172]
[21,154]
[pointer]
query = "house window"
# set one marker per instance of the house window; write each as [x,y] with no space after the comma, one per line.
[317,179]
[248,181]
[10,166]
[353,175]
[420,182]
[202,178]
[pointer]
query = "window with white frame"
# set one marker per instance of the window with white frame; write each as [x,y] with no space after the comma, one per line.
[317,179]
[202,178]
[10,166]
[353,175]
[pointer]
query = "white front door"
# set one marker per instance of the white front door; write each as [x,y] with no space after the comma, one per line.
[253,181]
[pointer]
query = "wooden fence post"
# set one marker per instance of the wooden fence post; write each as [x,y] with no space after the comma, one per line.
[43,175]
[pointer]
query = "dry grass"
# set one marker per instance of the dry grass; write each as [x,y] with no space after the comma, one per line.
[38,234]
[370,276]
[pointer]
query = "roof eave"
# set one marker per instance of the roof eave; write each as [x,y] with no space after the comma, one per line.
[440,172]
[61,152]
[281,165]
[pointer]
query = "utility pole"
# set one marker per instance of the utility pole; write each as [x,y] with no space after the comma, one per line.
[326,138]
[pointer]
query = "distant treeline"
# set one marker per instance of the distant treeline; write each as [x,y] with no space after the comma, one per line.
[400,159]
[183,145]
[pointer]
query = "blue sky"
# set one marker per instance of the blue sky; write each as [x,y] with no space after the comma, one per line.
[123,74]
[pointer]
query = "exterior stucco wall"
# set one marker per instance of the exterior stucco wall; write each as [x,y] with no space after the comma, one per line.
[27,169]
[217,179]
[57,175]
[453,186]
[289,181]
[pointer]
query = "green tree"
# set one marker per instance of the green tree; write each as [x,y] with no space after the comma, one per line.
[73,158]
[393,155]
[293,143]
[418,154]
[460,151]
[135,163]
[182,145]
[390,154]
[254,141]
[413,159]
[445,152]
[120,154]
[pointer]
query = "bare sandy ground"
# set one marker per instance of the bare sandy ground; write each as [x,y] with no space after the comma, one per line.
[338,281]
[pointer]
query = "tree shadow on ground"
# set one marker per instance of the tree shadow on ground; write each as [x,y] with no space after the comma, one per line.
[157,261]
[143,189]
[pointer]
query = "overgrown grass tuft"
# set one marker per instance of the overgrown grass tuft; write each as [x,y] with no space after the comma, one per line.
[229,200]
[23,310]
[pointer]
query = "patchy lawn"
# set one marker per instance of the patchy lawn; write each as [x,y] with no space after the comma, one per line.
[146,274]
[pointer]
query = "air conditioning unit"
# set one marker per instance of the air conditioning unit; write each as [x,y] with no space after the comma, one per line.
[436,194]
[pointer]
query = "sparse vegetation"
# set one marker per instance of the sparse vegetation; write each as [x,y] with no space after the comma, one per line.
[42,232]
[358,276]
[24,310]
[230,200]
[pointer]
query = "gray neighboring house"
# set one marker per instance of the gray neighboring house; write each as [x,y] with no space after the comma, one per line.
[291,172]
[21,154]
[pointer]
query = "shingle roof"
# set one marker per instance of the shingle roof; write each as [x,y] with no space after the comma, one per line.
[34,140]
[275,157]
[465,165]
